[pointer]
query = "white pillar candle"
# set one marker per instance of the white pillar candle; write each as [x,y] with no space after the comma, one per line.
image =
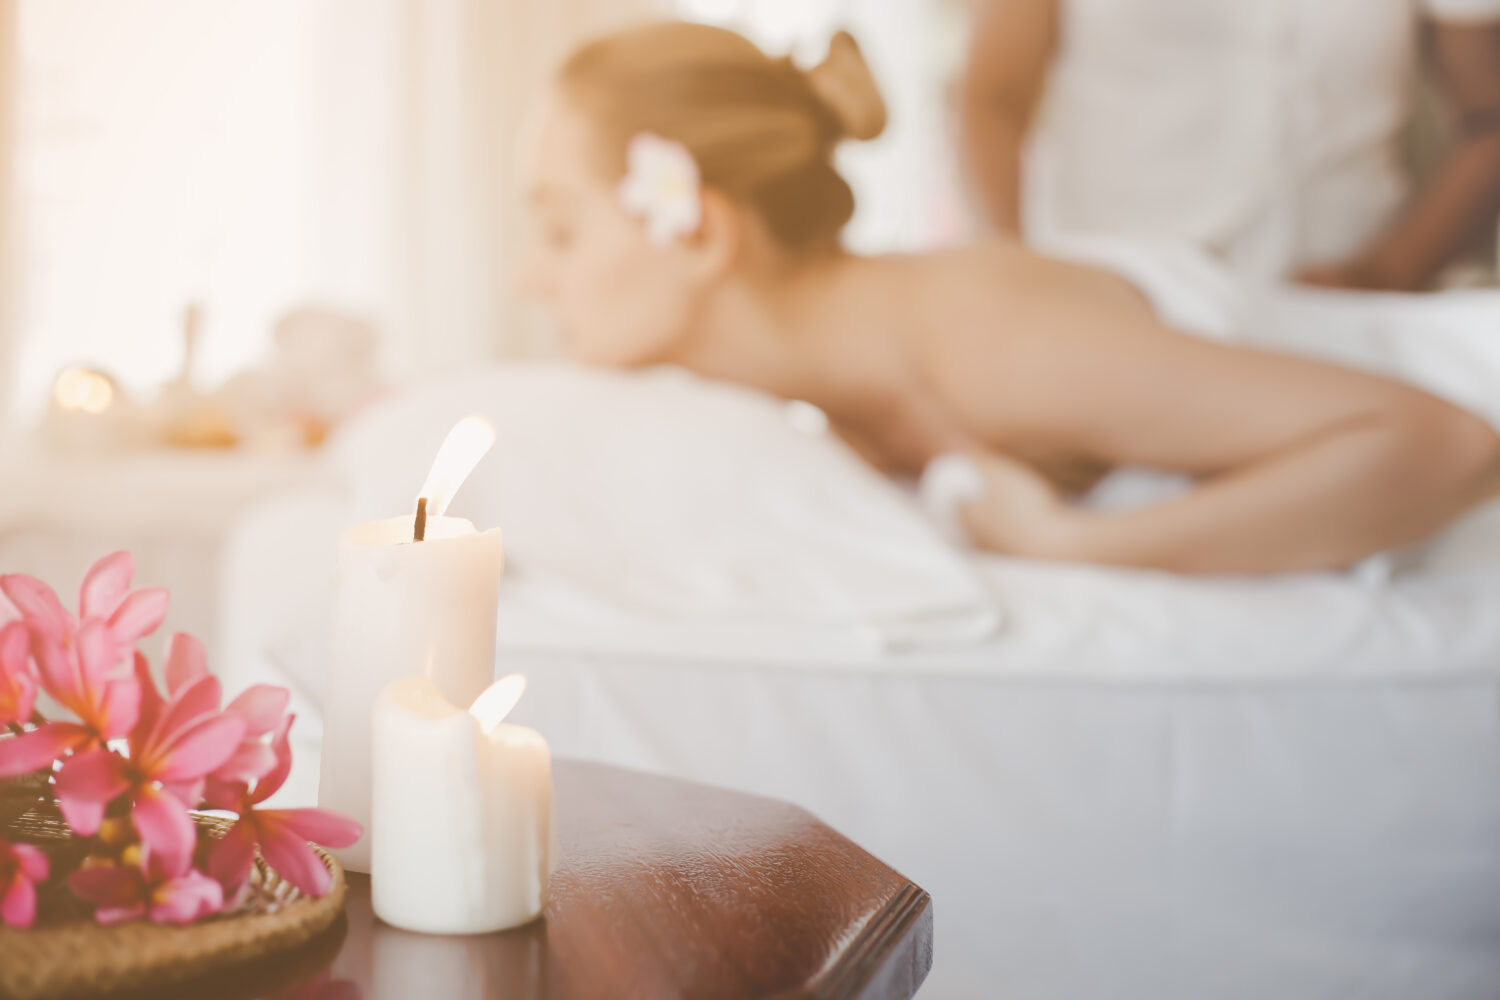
[400,605]
[461,830]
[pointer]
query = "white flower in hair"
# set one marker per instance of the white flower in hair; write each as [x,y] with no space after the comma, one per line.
[661,186]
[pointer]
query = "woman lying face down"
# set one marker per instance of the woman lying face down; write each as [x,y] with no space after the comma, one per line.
[688,211]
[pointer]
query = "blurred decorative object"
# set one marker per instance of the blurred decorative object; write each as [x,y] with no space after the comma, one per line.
[184,417]
[323,369]
[88,412]
[81,389]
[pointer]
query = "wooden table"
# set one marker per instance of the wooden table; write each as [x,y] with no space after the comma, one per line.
[664,889]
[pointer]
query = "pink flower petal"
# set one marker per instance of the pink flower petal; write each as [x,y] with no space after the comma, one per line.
[83,816]
[286,851]
[37,604]
[120,914]
[17,697]
[232,856]
[119,707]
[222,794]
[92,776]
[37,749]
[15,648]
[183,900]
[159,867]
[271,783]
[107,885]
[186,661]
[17,685]
[33,862]
[105,585]
[151,705]
[98,655]
[165,827]
[261,706]
[200,748]
[18,906]
[189,793]
[321,826]
[249,761]
[57,666]
[139,615]
[189,704]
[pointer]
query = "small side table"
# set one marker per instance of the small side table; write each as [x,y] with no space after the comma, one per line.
[665,889]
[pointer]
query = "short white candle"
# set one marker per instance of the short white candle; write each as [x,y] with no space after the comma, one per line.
[461,830]
[401,605]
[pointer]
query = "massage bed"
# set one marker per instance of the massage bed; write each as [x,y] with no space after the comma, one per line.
[1113,783]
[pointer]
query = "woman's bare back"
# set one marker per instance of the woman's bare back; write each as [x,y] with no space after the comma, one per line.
[1049,373]
[976,310]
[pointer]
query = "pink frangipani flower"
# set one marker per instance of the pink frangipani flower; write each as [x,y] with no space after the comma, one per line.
[129,615]
[88,677]
[167,890]
[17,685]
[282,835]
[174,746]
[83,662]
[260,706]
[21,868]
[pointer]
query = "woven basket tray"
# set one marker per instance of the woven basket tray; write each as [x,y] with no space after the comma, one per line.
[68,955]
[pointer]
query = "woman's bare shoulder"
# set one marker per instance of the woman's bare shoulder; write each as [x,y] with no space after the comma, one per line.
[1008,336]
[997,293]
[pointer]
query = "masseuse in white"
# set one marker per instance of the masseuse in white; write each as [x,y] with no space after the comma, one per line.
[1266,131]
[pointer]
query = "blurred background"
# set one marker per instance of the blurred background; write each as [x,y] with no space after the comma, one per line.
[227,225]
[251,155]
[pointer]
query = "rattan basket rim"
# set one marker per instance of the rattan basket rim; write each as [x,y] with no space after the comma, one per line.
[82,958]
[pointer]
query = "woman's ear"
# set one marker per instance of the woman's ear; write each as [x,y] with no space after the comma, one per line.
[717,241]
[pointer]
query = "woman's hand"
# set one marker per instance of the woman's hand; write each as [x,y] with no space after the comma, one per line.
[1021,512]
[1457,207]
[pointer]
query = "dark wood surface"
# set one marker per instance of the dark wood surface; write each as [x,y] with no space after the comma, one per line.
[664,889]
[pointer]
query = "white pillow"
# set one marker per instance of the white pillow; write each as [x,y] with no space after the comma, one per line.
[661,494]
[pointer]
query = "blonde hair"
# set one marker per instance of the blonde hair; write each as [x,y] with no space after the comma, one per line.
[762,130]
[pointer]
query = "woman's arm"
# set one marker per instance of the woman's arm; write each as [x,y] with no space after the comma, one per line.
[1302,465]
[1461,200]
[1012,46]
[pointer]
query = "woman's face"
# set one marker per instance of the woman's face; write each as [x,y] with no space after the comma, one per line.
[615,298]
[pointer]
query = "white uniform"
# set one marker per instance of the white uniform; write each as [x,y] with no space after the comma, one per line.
[1266,131]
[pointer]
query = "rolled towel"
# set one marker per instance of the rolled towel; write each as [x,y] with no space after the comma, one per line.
[949,481]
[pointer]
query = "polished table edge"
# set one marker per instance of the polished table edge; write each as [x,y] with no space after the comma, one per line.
[890,957]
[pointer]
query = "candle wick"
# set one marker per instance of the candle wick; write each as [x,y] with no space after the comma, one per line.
[419,532]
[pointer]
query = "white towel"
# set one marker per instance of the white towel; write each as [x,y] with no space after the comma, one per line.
[675,500]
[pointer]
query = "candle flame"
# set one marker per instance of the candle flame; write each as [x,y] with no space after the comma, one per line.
[468,442]
[496,701]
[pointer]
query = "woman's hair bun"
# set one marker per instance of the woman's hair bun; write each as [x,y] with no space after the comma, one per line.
[844,83]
